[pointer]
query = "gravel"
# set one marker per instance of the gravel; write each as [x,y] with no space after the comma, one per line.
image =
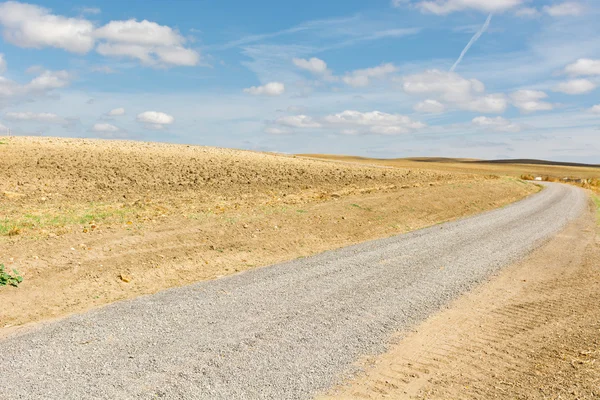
[282,332]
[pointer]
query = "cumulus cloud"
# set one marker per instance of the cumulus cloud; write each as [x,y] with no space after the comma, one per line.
[105,128]
[12,92]
[2,64]
[453,89]
[117,112]
[575,86]
[430,106]
[442,7]
[497,124]
[583,66]
[362,77]
[530,100]
[155,119]
[31,26]
[374,122]
[143,33]
[270,89]
[49,118]
[298,121]
[313,65]
[149,42]
[348,122]
[49,80]
[568,8]
[450,86]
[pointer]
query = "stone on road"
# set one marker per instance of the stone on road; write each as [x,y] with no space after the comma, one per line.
[282,332]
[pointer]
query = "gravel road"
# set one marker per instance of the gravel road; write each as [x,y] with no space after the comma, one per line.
[283,332]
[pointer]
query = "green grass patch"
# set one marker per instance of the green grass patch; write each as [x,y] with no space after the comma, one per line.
[6,278]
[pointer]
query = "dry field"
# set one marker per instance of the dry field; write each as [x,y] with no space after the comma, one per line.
[469,167]
[89,222]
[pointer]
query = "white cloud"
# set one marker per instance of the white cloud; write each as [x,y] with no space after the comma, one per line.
[442,7]
[497,124]
[298,121]
[147,41]
[31,26]
[491,103]
[105,128]
[144,32]
[313,65]
[2,64]
[583,66]
[453,89]
[450,86]
[595,109]
[178,55]
[529,101]
[155,119]
[36,117]
[568,8]
[527,12]
[575,86]
[117,112]
[374,122]
[362,77]
[12,92]
[430,106]
[48,80]
[270,89]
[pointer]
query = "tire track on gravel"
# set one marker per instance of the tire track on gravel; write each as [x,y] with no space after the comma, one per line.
[286,331]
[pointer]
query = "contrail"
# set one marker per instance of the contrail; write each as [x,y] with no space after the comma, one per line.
[472,41]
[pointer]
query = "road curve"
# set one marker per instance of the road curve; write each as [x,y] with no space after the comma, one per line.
[280,332]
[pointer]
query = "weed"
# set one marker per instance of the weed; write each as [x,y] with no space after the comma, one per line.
[7,279]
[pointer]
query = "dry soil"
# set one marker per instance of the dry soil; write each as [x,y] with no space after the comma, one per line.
[90,222]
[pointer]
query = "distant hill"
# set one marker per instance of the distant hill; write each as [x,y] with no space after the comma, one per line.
[533,162]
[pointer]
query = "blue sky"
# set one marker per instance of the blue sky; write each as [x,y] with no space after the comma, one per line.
[377,78]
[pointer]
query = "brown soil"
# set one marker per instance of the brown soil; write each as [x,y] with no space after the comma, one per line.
[533,332]
[90,222]
[467,166]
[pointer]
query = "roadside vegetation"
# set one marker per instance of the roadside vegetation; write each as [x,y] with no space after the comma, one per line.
[6,278]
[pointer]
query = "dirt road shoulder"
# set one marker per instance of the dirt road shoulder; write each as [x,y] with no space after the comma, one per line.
[532,332]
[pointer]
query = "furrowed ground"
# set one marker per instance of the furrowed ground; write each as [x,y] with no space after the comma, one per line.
[90,222]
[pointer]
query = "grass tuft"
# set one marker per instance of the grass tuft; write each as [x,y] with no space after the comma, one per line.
[7,279]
